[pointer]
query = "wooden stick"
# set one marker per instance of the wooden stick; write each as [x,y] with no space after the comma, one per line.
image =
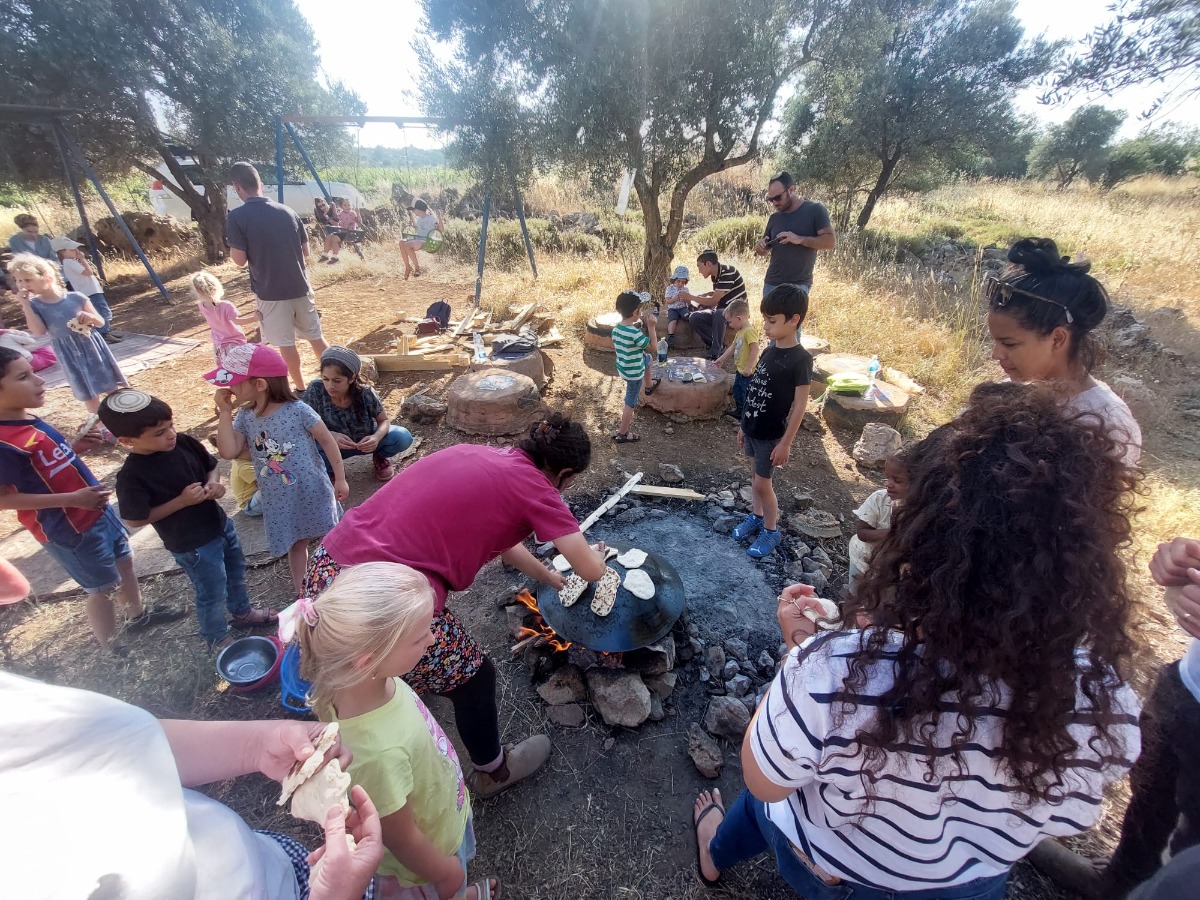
[653,490]
[532,640]
[610,503]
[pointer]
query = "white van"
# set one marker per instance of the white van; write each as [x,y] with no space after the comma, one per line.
[298,195]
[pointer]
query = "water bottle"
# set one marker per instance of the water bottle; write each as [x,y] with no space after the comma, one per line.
[873,368]
[480,350]
[662,350]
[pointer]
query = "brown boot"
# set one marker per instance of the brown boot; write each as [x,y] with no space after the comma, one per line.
[520,761]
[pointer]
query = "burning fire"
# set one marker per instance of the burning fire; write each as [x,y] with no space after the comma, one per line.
[540,633]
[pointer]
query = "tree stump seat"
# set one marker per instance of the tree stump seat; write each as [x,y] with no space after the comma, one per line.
[532,365]
[493,401]
[598,334]
[707,399]
[885,403]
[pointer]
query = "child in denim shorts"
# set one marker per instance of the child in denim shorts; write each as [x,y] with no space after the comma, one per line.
[60,502]
[633,362]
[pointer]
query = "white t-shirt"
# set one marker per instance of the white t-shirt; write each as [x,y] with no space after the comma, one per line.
[91,800]
[876,511]
[425,224]
[917,833]
[1189,669]
[81,283]
[1114,414]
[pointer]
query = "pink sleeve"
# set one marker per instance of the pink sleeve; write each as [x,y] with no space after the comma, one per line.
[549,516]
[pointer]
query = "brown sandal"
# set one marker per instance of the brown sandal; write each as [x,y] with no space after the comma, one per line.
[256,616]
[631,438]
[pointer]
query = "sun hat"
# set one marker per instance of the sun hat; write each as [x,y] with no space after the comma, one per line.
[244,362]
[63,243]
[680,272]
[343,355]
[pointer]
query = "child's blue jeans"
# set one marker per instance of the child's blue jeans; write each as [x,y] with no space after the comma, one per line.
[741,386]
[746,832]
[100,302]
[218,573]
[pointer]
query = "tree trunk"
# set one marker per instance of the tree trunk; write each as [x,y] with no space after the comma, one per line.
[656,265]
[880,188]
[212,233]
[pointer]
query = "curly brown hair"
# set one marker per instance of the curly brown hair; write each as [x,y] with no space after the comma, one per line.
[1003,572]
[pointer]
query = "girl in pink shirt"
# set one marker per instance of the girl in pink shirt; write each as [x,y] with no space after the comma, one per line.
[224,322]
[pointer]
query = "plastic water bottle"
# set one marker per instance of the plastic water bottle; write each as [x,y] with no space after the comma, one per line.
[873,368]
[662,350]
[480,350]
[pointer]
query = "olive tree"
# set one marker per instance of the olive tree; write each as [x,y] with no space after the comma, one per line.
[1079,147]
[674,90]
[212,75]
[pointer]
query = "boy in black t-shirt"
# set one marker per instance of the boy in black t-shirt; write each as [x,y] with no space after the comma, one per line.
[775,405]
[171,482]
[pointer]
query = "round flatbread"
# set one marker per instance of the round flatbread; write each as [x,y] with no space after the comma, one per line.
[639,583]
[632,558]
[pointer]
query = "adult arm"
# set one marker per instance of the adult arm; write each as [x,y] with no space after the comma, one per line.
[586,562]
[236,239]
[214,751]
[418,854]
[824,240]
[13,585]
[382,426]
[238,256]
[783,450]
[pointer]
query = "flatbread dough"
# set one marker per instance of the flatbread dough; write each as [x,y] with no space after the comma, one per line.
[829,610]
[606,592]
[639,583]
[301,772]
[632,559]
[572,591]
[610,553]
[560,564]
[329,787]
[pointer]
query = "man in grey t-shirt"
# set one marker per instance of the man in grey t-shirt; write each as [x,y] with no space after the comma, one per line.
[270,238]
[795,232]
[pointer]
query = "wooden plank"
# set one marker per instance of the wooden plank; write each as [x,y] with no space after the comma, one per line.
[653,490]
[436,349]
[523,316]
[550,340]
[394,362]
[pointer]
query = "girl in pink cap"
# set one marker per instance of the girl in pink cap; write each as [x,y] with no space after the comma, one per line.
[282,435]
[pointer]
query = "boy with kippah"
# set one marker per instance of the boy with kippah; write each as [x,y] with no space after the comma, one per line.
[171,482]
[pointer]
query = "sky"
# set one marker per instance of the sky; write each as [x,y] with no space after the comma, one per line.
[370,50]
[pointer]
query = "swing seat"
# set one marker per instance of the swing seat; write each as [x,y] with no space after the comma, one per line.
[433,240]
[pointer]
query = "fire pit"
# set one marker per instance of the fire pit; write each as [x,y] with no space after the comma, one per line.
[633,622]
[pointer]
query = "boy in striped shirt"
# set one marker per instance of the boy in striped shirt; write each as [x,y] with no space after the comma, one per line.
[633,362]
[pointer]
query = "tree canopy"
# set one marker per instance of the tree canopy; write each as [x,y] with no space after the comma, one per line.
[675,90]
[927,91]
[1079,147]
[212,75]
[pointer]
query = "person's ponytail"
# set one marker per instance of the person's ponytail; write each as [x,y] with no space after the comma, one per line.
[556,443]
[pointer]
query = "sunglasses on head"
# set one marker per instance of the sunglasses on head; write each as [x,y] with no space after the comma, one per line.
[998,293]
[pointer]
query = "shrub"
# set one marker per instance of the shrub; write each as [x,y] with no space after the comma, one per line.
[735,235]
[506,246]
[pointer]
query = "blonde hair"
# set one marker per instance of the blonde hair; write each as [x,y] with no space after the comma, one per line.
[737,308]
[32,264]
[207,286]
[361,617]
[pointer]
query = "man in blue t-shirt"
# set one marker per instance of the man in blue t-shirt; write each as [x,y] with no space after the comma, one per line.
[270,238]
[795,232]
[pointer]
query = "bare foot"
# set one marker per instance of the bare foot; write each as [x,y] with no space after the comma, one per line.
[707,821]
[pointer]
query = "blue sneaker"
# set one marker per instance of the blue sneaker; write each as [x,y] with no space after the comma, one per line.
[253,507]
[748,528]
[766,544]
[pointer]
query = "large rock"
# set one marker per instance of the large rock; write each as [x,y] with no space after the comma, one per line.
[569,716]
[531,365]
[670,474]
[422,408]
[659,658]
[621,698]
[154,233]
[705,752]
[816,523]
[726,717]
[662,685]
[493,401]
[707,399]
[565,685]
[885,403]
[876,443]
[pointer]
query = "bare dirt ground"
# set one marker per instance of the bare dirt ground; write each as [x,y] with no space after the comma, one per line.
[610,816]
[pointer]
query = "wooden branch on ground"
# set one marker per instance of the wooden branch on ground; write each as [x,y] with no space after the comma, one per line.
[653,490]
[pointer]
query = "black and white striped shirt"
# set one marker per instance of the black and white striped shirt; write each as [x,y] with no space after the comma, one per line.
[914,834]
[730,280]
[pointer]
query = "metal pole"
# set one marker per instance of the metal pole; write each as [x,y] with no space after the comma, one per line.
[525,231]
[487,211]
[279,159]
[93,250]
[95,180]
[304,154]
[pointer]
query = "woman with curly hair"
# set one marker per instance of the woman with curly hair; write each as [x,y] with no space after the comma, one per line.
[1042,310]
[986,708]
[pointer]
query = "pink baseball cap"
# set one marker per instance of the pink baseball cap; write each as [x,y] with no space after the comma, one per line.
[246,361]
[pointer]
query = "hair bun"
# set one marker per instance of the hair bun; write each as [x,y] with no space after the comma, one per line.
[1040,256]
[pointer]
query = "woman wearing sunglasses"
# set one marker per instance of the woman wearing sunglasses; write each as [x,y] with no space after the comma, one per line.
[1042,310]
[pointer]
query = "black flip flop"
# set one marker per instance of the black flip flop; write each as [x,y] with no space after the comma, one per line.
[628,438]
[696,820]
[653,386]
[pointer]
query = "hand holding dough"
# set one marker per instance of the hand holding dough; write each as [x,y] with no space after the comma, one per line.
[329,787]
[829,610]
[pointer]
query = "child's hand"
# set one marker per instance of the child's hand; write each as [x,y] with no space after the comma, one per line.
[341,489]
[225,402]
[214,491]
[94,497]
[781,454]
[741,439]
[193,494]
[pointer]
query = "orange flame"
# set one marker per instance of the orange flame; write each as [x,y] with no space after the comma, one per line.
[540,628]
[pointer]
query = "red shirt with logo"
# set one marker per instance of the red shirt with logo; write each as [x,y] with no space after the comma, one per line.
[36,459]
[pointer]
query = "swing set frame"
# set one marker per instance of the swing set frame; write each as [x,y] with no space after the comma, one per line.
[285,125]
[52,118]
